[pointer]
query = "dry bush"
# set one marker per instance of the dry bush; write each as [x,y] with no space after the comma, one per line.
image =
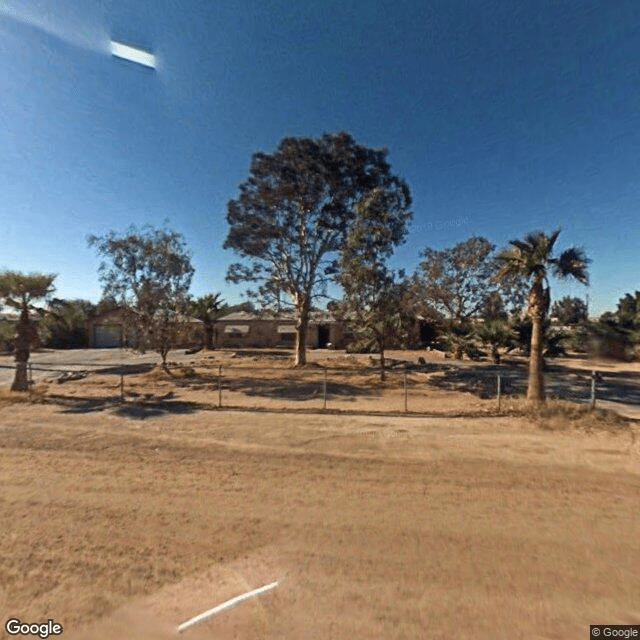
[37,394]
[184,372]
[562,415]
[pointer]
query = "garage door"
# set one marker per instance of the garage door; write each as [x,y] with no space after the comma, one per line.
[107,336]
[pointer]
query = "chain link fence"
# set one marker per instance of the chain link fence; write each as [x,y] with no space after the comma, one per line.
[407,388]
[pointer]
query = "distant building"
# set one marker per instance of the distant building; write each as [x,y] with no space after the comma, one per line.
[9,318]
[240,329]
[7,330]
[244,329]
[116,329]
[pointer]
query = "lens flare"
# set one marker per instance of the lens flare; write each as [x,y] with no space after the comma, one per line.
[133,54]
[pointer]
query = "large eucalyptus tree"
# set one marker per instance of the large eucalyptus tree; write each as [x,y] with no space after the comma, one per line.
[294,212]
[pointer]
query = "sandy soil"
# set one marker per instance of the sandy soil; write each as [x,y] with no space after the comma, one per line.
[252,379]
[124,520]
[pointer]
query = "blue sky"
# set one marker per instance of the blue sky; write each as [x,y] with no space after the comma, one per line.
[504,117]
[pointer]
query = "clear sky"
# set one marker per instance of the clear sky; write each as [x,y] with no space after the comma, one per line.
[504,117]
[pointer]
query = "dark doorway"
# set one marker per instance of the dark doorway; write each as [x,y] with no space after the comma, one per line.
[323,336]
[427,332]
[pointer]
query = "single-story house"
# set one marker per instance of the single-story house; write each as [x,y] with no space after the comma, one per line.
[7,330]
[244,329]
[116,328]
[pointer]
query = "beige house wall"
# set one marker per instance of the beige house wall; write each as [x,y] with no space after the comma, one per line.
[274,332]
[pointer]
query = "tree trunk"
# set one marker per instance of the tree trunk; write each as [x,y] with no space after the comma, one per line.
[535,389]
[383,375]
[302,328]
[25,333]
[208,335]
[21,380]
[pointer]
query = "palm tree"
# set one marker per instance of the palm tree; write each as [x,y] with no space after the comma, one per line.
[207,308]
[497,334]
[532,259]
[19,290]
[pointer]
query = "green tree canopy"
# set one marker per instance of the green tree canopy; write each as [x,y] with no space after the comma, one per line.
[569,310]
[18,290]
[374,298]
[628,311]
[457,282]
[148,271]
[294,212]
[63,323]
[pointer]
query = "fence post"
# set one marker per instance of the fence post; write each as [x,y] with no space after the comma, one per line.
[405,392]
[593,389]
[499,390]
[324,390]
[219,386]
[30,382]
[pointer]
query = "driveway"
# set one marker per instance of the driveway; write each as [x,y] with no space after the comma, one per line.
[48,362]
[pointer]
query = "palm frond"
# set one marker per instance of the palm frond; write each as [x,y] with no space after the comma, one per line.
[572,263]
[523,246]
[552,239]
[509,263]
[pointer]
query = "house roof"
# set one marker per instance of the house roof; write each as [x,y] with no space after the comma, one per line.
[114,314]
[284,316]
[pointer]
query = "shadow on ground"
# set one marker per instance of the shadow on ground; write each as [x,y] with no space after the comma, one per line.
[297,390]
[140,408]
[126,369]
[274,353]
[481,381]
[561,382]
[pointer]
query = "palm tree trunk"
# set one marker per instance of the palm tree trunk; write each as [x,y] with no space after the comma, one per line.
[535,389]
[208,334]
[25,334]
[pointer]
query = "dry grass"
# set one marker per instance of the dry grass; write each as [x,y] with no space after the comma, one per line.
[379,527]
[255,380]
[560,415]
[172,372]
[472,525]
[38,394]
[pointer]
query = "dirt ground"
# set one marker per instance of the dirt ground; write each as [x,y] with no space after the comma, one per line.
[121,520]
[335,381]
